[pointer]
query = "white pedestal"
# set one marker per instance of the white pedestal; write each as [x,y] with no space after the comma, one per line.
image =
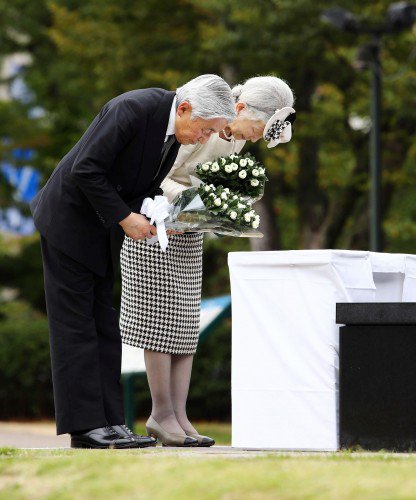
[285,344]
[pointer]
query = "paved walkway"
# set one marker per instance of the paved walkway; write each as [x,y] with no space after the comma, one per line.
[28,435]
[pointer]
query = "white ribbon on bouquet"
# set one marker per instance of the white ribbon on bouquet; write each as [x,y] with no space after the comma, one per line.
[157,210]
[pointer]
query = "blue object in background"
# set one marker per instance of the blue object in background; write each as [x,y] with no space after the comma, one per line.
[25,181]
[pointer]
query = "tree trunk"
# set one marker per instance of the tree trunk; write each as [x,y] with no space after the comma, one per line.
[269,222]
[312,201]
[268,225]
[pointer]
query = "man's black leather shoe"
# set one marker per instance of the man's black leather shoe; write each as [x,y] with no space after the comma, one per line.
[102,437]
[142,441]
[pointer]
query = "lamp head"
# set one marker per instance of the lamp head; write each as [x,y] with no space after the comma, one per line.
[341,19]
[401,16]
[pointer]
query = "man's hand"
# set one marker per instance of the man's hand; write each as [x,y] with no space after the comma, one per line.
[137,227]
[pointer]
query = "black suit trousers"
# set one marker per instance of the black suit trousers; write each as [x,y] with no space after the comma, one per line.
[85,343]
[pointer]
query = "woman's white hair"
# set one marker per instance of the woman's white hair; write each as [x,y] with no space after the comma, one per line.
[263,95]
[210,97]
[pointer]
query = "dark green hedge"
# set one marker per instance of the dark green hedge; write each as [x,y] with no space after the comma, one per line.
[23,271]
[25,373]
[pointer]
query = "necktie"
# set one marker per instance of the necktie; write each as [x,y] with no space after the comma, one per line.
[171,140]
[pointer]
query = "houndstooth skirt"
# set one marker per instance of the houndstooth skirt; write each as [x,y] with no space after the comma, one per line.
[161,294]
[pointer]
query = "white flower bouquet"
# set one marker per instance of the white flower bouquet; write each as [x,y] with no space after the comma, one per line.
[222,202]
[243,174]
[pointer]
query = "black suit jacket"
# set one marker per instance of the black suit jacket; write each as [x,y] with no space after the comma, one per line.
[106,176]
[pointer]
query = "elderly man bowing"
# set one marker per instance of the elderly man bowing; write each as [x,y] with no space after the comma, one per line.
[98,186]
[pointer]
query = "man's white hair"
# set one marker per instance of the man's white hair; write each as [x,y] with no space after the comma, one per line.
[263,95]
[209,96]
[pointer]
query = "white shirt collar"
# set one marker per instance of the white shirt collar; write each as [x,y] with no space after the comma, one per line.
[172,118]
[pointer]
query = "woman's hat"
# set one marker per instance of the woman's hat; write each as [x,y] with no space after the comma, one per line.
[279,127]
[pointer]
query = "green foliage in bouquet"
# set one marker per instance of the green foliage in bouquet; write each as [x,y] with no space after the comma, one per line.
[221,201]
[242,174]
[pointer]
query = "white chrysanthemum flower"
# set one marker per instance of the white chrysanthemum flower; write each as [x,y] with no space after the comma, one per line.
[254,182]
[205,167]
[233,215]
[228,169]
[212,185]
[241,205]
[233,166]
[212,194]
[242,174]
[255,224]
[247,217]
[225,206]
[250,162]
[217,202]
[261,170]
[223,161]
[207,188]
[215,167]
[255,172]
[235,197]
[224,196]
[243,162]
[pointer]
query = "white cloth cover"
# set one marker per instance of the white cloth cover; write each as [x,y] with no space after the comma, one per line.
[394,277]
[285,344]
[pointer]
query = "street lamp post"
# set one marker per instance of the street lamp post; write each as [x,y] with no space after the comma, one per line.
[400,16]
[375,149]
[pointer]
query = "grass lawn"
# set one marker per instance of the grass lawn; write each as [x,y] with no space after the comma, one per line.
[189,474]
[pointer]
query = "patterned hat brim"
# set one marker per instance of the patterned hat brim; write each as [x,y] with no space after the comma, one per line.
[286,134]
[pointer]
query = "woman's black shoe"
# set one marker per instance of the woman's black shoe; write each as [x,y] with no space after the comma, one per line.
[142,441]
[102,437]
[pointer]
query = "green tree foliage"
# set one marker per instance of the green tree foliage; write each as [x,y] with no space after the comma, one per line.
[86,52]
